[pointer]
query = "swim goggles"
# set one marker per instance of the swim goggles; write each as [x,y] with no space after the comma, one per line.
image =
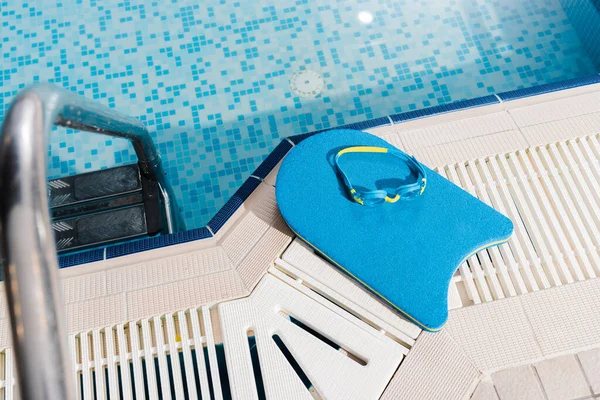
[369,198]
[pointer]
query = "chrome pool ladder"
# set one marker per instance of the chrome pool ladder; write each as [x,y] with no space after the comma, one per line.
[29,256]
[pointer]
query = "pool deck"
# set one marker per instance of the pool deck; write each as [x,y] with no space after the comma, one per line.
[524,319]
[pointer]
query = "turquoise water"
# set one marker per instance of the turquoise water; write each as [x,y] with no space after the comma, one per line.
[220,83]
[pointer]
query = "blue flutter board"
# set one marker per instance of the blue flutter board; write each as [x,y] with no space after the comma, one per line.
[404,252]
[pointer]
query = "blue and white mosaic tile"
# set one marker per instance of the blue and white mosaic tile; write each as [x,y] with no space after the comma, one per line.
[211,80]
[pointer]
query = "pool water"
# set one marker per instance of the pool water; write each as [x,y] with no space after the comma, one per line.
[220,83]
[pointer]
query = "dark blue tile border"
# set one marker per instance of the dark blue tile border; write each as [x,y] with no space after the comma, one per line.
[550,87]
[445,108]
[156,242]
[233,204]
[217,222]
[298,138]
[372,123]
[272,159]
[83,257]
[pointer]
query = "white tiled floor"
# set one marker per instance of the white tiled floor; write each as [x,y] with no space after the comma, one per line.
[485,391]
[590,363]
[558,378]
[563,378]
[517,383]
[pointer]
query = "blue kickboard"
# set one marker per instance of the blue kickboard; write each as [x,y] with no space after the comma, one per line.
[404,252]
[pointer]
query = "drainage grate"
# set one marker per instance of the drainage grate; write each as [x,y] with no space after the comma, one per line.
[552,195]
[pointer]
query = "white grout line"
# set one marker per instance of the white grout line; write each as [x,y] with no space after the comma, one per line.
[210,230]
[539,382]
[585,376]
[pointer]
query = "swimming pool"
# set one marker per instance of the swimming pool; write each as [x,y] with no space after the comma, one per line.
[218,84]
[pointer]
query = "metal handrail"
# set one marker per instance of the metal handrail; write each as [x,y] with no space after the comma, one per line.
[29,256]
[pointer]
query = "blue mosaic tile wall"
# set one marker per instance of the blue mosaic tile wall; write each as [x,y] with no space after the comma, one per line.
[585,17]
[211,79]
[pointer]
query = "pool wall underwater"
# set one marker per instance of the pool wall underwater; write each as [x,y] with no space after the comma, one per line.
[585,17]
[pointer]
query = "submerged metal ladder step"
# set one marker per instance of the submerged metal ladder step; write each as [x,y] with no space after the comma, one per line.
[104,206]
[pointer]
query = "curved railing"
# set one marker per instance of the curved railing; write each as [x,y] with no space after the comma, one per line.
[28,253]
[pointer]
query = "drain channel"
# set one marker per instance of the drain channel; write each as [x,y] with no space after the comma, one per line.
[307,83]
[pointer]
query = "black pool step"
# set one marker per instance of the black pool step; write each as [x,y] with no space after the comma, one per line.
[100,205]
[94,186]
[104,206]
[99,228]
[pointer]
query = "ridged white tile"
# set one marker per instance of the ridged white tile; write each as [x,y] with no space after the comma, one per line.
[184,294]
[244,236]
[96,313]
[343,289]
[5,335]
[272,176]
[268,248]
[167,270]
[333,373]
[457,130]
[556,110]
[467,149]
[539,135]
[395,139]
[84,287]
[355,313]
